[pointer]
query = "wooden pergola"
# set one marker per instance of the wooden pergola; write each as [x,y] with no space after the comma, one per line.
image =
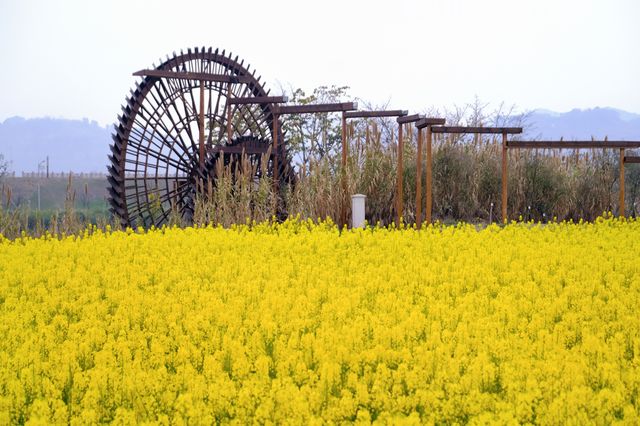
[425,123]
[400,114]
[504,131]
[605,144]
[400,169]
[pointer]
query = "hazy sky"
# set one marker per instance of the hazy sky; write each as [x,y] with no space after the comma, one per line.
[74,59]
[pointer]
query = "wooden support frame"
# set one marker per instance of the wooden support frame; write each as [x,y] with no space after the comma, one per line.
[425,123]
[504,131]
[362,114]
[593,144]
[259,100]
[400,169]
[316,108]
[320,108]
[240,149]
[202,76]
[625,159]
[376,114]
[573,144]
[252,100]
[477,130]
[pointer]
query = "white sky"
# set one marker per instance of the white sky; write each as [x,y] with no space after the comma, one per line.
[74,59]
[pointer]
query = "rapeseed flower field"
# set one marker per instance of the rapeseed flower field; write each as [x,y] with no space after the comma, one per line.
[299,323]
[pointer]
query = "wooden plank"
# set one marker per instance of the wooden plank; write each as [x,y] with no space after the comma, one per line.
[315,108]
[371,114]
[224,78]
[409,118]
[430,121]
[239,149]
[478,130]
[259,100]
[632,159]
[573,144]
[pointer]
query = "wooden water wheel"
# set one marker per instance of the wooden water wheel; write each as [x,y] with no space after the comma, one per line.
[177,122]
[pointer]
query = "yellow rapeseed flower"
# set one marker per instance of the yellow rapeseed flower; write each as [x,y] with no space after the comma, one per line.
[301,323]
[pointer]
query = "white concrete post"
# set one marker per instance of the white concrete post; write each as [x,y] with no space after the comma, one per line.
[357,210]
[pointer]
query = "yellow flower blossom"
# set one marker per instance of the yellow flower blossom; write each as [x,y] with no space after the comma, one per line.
[301,323]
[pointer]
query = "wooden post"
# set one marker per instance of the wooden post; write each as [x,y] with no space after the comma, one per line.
[345,151]
[229,114]
[400,172]
[429,177]
[201,126]
[419,181]
[504,178]
[274,150]
[621,201]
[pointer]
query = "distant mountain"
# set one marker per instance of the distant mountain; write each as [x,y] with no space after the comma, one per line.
[72,145]
[583,124]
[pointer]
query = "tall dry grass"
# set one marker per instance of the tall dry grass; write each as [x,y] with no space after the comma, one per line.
[542,185]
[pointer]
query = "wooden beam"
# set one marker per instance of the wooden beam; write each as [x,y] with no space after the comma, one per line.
[259,100]
[371,114]
[632,159]
[430,121]
[239,149]
[573,144]
[315,108]
[409,118]
[477,130]
[222,78]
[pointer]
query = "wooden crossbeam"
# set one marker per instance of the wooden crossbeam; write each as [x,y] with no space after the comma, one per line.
[477,130]
[202,76]
[409,118]
[315,108]
[632,159]
[239,149]
[573,144]
[259,100]
[430,121]
[370,114]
